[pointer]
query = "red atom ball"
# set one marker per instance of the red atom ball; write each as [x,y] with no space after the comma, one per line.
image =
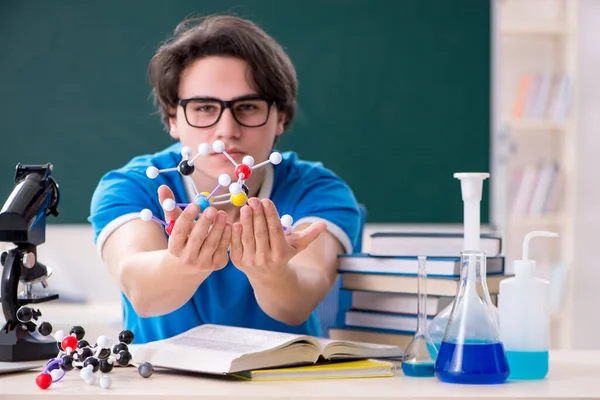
[243,169]
[44,380]
[169,228]
[69,341]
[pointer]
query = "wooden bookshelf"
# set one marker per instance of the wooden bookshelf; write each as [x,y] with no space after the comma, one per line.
[535,40]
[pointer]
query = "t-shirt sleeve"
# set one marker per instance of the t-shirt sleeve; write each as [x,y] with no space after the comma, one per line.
[324,196]
[119,198]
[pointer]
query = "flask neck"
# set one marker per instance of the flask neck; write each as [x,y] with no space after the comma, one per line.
[473,273]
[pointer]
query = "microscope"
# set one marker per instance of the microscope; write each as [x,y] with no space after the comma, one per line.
[34,196]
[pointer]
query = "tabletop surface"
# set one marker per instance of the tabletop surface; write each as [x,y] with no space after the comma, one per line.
[573,374]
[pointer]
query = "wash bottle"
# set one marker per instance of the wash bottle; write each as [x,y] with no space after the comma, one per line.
[524,317]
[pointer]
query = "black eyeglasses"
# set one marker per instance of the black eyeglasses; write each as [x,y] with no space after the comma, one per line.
[203,112]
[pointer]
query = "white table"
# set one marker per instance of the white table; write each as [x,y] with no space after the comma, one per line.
[573,375]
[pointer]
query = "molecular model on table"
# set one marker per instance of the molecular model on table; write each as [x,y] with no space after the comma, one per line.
[237,193]
[75,352]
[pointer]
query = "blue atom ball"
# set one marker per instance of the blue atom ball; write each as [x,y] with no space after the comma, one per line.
[203,203]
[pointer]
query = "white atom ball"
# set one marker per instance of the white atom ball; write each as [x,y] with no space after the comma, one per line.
[56,373]
[146,214]
[235,188]
[152,172]
[86,373]
[105,382]
[168,205]
[91,381]
[103,342]
[59,335]
[186,151]
[287,220]
[275,158]
[224,179]
[248,160]
[204,149]
[218,146]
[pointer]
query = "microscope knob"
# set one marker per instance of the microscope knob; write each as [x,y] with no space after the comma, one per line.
[29,260]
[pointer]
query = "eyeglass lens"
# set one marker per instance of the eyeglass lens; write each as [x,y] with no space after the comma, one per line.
[248,112]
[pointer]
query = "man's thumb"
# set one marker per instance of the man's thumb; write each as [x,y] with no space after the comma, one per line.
[164,193]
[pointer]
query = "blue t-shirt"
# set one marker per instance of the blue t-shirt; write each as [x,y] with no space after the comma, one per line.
[305,190]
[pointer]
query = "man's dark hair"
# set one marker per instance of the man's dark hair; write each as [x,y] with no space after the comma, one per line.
[273,75]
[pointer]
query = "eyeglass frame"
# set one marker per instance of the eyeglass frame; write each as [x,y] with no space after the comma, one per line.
[225,104]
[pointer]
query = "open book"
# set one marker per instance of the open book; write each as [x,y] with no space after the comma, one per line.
[217,349]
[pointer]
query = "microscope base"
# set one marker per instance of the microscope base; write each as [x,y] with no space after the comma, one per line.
[24,346]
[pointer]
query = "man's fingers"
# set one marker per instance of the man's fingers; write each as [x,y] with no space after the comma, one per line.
[248,242]
[300,240]
[220,256]
[236,250]
[164,192]
[182,228]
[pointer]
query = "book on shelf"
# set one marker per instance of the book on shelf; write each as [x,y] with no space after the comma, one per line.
[218,349]
[382,336]
[542,97]
[399,302]
[396,283]
[381,320]
[428,244]
[436,265]
[536,188]
[367,368]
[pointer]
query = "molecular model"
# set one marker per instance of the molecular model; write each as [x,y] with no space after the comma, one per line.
[75,352]
[238,191]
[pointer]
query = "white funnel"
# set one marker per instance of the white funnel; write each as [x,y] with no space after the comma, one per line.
[471,184]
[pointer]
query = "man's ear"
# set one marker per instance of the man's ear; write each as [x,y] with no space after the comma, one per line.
[281,118]
[173,123]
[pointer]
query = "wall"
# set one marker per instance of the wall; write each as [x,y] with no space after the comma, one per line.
[585,319]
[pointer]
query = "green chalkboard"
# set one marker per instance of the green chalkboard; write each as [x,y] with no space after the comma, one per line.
[394,96]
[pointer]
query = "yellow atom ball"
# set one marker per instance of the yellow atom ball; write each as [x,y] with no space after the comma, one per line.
[239,199]
[206,194]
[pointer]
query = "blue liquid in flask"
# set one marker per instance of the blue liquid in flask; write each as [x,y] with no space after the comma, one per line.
[418,368]
[472,363]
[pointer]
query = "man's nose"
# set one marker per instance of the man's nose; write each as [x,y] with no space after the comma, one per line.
[227,125]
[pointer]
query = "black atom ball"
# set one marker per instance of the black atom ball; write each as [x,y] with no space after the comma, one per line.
[93,361]
[126,336]
[106,366]
[83,343]
[78,331]
[117,348]
[185,168]
[124,358]
[45,328]
[67,363]
[104,354]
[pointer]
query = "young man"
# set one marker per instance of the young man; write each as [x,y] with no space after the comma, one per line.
[223,78]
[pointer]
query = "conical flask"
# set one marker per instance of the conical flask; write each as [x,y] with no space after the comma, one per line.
[471,351]
[418,359]
[437,326]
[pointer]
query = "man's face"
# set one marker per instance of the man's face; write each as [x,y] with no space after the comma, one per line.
[224,78]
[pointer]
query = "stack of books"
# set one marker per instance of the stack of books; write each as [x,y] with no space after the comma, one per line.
[378,298]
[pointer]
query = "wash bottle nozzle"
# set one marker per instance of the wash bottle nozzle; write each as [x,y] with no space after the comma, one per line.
[471,185]
[525,266]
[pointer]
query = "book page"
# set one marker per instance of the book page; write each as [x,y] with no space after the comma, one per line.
[349,349]
[224,349]
[233,339]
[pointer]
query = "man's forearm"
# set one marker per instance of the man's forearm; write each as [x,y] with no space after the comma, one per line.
[156,283]
[293,296]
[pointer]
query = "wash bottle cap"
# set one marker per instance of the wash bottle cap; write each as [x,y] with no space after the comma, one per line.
[526,267]
[471,185]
